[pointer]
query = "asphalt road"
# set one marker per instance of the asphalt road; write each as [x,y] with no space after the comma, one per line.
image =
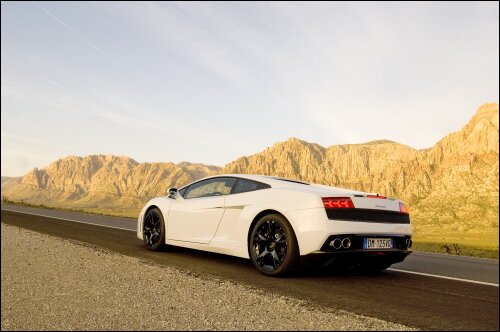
[470,269]
[426,302]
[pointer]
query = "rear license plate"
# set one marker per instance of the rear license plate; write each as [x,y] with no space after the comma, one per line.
[377,243]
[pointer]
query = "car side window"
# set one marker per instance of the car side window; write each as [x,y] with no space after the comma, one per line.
[210,187]
[245,185]
[183,191]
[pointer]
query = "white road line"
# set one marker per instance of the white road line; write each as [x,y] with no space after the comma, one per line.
[395,270]
[444,277]
[425,253]
[81,222]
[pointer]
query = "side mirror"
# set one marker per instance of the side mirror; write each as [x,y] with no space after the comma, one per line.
[172,193]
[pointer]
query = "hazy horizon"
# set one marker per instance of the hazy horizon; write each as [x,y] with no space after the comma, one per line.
[211,82]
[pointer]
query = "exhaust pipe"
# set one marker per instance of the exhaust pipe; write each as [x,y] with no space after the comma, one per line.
[346,243]
[408,243]
[336,243]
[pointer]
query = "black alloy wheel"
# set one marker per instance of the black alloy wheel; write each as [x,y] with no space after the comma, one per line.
[153,230]
[273,246]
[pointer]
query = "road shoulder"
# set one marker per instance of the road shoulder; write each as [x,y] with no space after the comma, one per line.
[52,283]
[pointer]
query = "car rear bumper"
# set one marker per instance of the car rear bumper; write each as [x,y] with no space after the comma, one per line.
[355,258]
[313,230]
[356,243]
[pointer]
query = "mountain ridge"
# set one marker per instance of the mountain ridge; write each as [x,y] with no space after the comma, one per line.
[453,183]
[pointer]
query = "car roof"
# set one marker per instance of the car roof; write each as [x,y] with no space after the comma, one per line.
[271,180]
[279,182]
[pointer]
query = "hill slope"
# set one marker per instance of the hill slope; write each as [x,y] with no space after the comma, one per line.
[450,187]
[453,185]
[102,181]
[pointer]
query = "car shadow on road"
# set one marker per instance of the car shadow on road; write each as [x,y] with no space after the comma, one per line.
[201,261]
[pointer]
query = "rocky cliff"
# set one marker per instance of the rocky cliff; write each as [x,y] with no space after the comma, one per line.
[452,186]
[102,181]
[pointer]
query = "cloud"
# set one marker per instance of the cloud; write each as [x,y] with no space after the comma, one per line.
[32,141]
[58,20]
[213,81]
[102,104]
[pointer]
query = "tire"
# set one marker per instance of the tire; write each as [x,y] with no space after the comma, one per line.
[273,246]
[153,230]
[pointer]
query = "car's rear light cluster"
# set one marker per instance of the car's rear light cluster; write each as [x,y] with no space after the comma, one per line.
[337,203]
[342,208]
[403,208]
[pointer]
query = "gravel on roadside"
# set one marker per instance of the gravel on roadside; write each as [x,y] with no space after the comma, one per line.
[50,283]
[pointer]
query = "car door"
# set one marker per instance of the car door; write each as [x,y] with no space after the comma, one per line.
[245,193]
[196,216]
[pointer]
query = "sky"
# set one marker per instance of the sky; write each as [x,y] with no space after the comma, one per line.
[211,82]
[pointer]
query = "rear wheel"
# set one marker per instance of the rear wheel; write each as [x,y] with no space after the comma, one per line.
[273,246]
[153,230]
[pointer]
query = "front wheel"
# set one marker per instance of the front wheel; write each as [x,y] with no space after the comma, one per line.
[273,246]
[153,230]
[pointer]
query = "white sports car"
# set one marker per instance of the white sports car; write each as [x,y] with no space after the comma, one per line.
[278,222]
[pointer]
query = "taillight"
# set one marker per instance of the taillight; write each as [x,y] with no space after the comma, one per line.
[337,203]
[403,208]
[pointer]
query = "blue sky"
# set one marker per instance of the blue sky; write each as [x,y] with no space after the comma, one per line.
[209,83]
